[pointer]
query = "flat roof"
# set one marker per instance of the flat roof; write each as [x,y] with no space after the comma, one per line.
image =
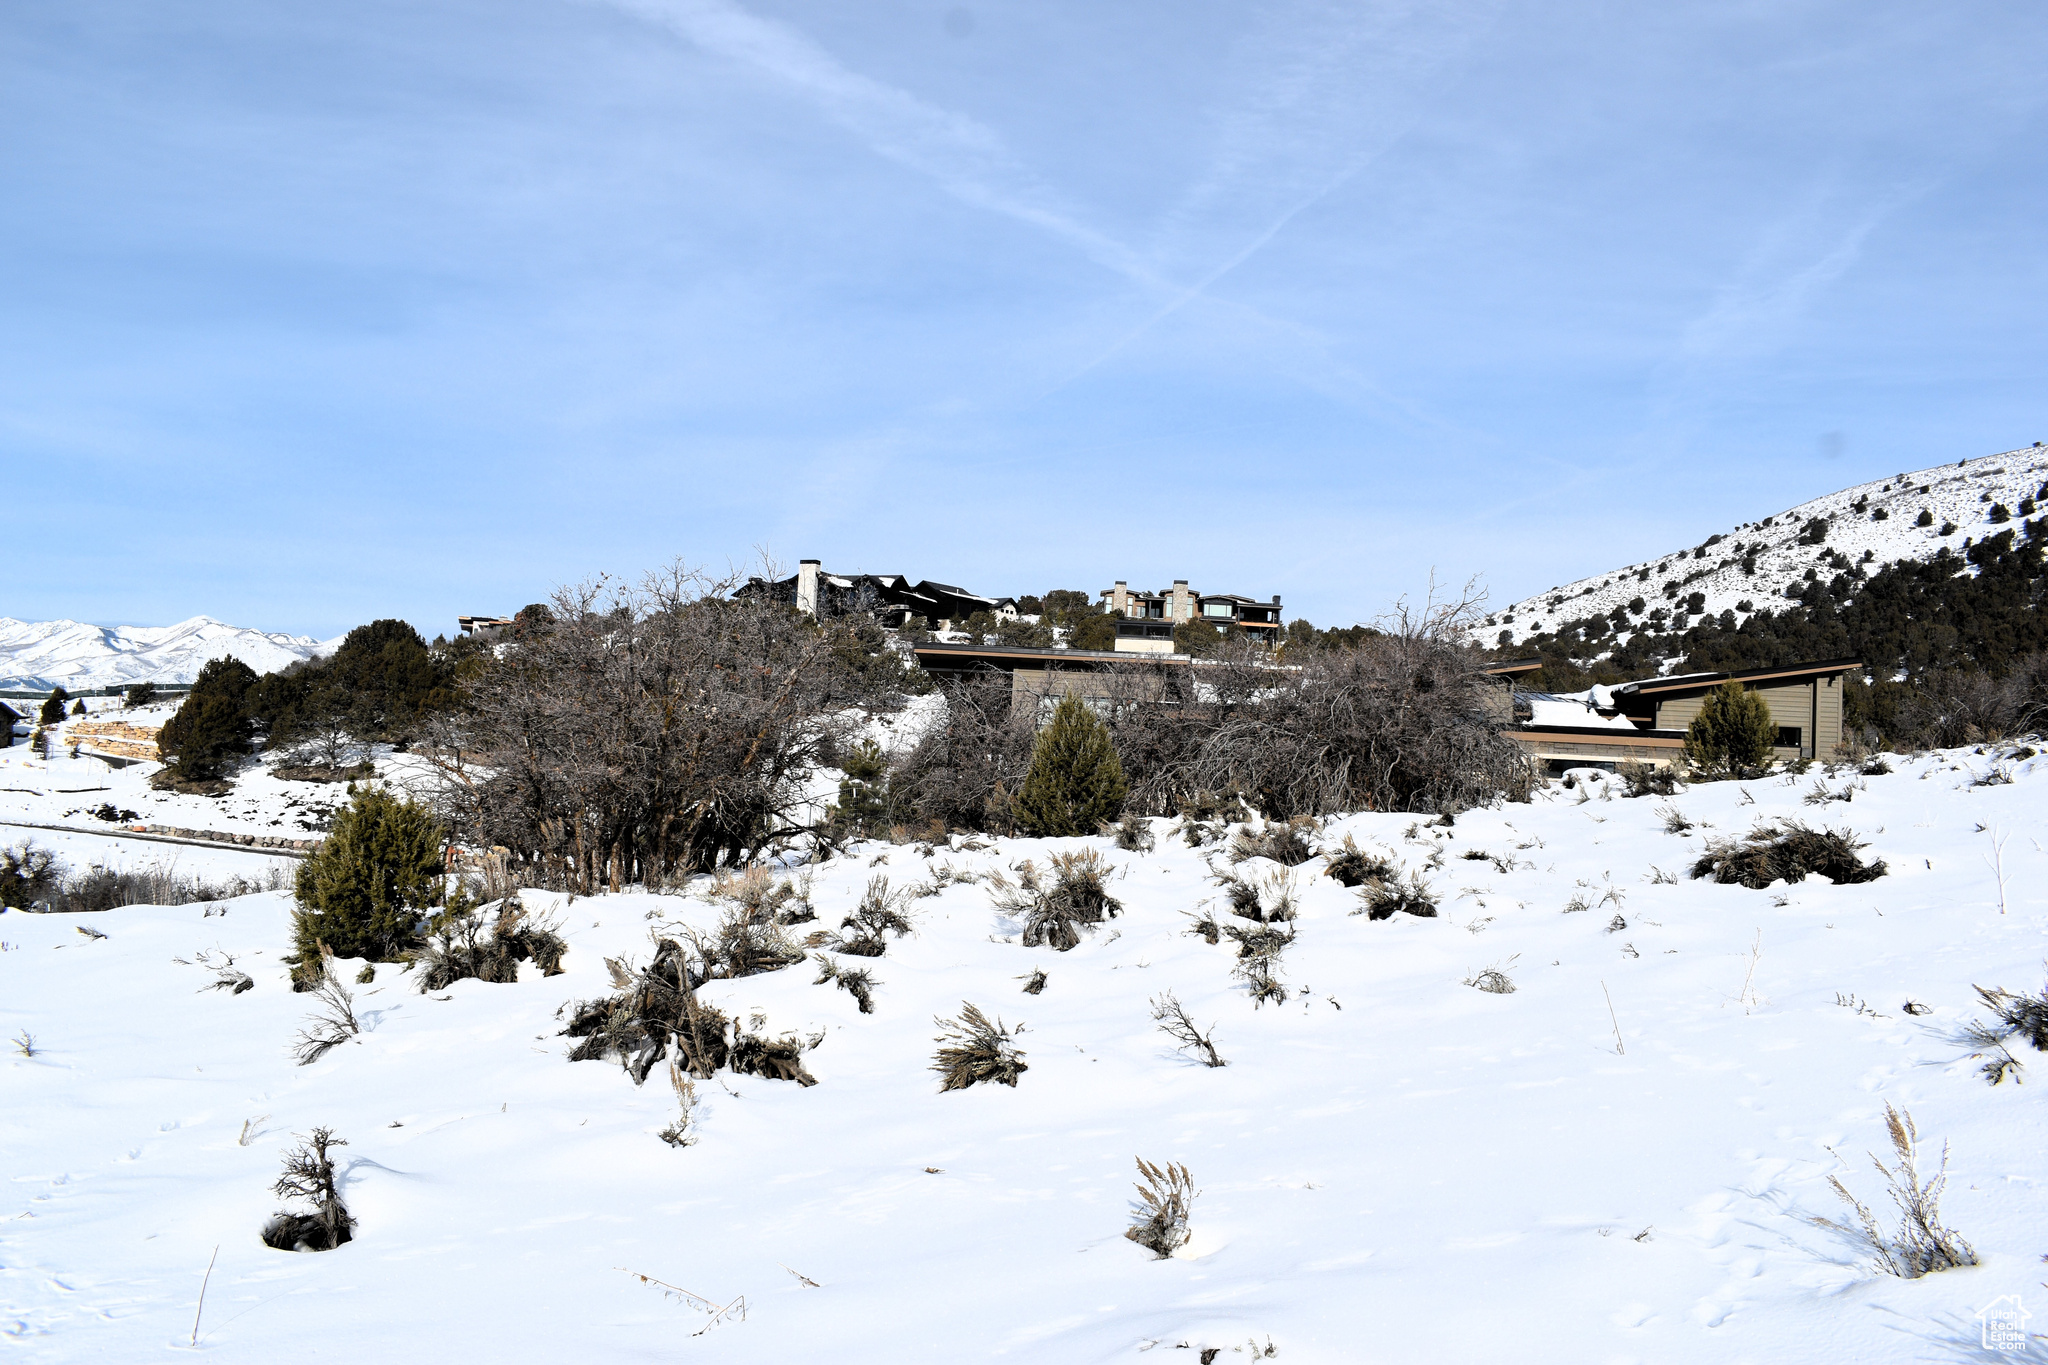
[1516,666]
[1021,653]
[1686,681]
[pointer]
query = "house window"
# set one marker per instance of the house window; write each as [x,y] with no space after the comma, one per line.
[1221,609]
[1788,736]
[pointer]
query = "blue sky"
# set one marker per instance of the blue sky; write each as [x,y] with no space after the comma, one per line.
[311,314]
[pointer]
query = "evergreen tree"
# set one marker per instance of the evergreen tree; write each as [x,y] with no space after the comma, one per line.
[365,889]
[1734,729]
[214,726]
[78,707]
[863,809]
[1075,784]
[53,707]
[141,694]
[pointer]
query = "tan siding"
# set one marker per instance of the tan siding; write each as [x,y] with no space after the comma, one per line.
[1790,705]
[1829,731]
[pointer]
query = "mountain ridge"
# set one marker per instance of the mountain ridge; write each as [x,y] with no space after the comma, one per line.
[78,656]
[1756,565]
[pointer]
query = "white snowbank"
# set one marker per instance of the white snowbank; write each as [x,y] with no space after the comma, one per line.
[1393,1167]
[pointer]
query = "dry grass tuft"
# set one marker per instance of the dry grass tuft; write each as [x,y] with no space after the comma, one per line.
[1352,865]
[1921,1245]
[459,948]
[1385,897]
[1289,844]
[1165,1197]
[1133,834]
[1054,915]
[974,1051]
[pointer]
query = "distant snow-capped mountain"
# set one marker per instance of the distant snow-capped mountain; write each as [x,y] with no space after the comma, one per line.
[1751,567]
[39,655]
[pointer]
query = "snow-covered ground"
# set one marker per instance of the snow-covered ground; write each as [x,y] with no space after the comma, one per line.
[63,790]
[39,655]
[1955,495]
[1394,1166]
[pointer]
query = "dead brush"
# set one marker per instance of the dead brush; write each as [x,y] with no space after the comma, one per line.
[1383,898]
[226,976]
[459,948]
[1921,1245]
[333,1021]
[1675,821]
[1172,1018]
[1290,844]
[858,982]
[1034,984]
[1494,980]
[655,1007]
[1053,915]
[309,1176]
[765,897]
[1159,1219]
[780,1058]
[1786,850]
[1269,900]
[1350,865]
[975,1051]
[864,931]
[2016,1015]
[1647,779]
[1133,834]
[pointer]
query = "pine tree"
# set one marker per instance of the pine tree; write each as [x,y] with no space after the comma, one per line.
[213,726]
[364,890]
[863,807]
[1734,729]
[53,707]
[1075,784]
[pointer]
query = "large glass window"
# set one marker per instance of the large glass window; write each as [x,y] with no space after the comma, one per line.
[1221,609]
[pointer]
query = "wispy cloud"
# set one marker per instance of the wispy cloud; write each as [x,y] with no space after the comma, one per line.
[965,157]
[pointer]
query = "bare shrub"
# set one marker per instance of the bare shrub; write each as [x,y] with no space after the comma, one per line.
[777,1059]
[1034,984]
[226,976]
[865,929]
[459,948]
[975,1051]
[766,898]
[1166,1196]
[309,1176]
[2016,1015]
[966,768]
[1921,1245]
[1408,720]
[655,1007]
[1675,820]
[648,732]
[1786,850]
[25,1043]
[333,1021]
[1290,843]
[1385,897]
[1133,834]
[1172,1018]
[1053,915]
[1351,865]
[858,982]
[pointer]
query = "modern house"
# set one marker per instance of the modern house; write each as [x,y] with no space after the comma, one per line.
[9,718]
[1645,721]
[891,599]
[1146,619]
[484,627]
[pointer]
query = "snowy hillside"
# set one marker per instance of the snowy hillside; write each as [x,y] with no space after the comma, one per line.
[39,655]
[1755,562]
[1619,1160]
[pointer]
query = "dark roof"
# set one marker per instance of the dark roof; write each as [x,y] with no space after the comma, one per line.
[1685,682]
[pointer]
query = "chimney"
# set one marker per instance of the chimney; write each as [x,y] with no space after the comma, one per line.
[1120,598]
[807,586]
